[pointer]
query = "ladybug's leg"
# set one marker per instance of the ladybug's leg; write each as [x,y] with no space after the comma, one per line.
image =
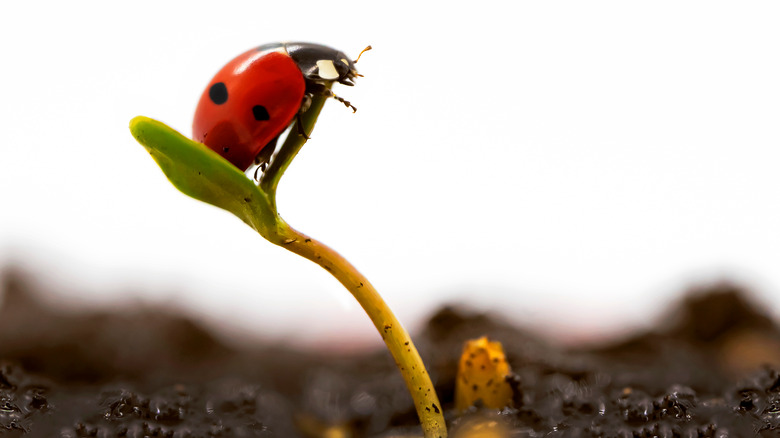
[345,102]
[321,90]
[305,103]
[304,107]
[264,157]
[299,119]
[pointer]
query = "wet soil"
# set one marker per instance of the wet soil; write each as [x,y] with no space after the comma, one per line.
[709,369]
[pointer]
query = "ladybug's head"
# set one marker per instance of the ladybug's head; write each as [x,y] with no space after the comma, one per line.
[341,69]
[350,76]
[323,64]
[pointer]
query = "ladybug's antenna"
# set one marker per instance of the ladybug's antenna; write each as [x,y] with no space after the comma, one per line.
[361,53]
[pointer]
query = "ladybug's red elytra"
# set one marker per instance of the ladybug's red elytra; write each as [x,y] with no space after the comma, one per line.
[256,96]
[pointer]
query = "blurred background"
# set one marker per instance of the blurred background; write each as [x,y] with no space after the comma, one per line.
[573,165]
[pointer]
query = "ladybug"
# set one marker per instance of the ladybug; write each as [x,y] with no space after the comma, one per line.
[256,96]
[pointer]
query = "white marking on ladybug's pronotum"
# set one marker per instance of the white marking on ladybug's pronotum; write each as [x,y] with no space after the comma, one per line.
[327,70]
[345,61]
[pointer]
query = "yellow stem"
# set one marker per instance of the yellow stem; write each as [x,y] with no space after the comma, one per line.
[393,333]
[395,336]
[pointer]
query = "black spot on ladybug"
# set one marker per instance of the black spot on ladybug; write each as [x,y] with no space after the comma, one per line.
[225,149]
[260,113]
[218,93]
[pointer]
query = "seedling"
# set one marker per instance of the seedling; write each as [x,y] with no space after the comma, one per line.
[199,172]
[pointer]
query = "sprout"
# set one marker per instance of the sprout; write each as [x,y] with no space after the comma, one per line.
[201,173]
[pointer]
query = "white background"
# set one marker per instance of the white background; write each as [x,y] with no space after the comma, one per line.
[570,163]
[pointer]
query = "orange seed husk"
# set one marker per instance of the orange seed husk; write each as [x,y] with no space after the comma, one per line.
[482,373]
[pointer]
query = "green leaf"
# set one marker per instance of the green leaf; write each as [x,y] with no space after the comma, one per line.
[201,173]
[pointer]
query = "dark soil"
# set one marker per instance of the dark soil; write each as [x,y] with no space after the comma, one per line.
[150,373]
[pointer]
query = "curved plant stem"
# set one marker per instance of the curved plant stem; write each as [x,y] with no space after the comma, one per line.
[395,336]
